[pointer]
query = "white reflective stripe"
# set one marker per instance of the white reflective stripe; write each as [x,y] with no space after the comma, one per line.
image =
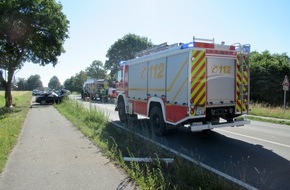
[211,126]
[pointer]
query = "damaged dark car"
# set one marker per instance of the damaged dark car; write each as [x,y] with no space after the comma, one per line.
[52,97]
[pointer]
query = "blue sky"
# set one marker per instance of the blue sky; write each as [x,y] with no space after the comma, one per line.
[96,24]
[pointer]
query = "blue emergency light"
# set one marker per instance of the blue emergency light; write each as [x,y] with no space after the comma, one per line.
[246,48]
[187,45]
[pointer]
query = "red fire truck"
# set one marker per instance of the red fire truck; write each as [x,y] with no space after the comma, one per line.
[201,85]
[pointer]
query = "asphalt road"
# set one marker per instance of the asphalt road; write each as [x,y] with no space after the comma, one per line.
[51,154]
[257,154]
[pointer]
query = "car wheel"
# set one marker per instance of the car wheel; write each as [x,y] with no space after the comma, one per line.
[42,102]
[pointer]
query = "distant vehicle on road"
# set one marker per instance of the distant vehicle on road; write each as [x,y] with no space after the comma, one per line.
[37,92]
[112,93]
[94,89]
[51,98]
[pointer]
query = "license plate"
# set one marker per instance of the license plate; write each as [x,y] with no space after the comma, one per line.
[199,110]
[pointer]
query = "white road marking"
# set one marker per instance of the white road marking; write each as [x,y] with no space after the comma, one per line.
[255,138]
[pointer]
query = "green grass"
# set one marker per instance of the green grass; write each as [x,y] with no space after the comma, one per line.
[269,111]
[117,143]
[11,120]
[265,110]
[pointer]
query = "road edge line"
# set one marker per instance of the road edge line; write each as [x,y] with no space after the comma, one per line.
[226,176]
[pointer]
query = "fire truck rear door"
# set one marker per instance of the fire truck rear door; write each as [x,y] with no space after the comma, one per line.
[220,81]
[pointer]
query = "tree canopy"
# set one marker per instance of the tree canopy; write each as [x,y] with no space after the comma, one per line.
[267,74]
[75,83]
[22,84]
[34,82]
[54,83]
[96,70]
[31,31]
[125,49]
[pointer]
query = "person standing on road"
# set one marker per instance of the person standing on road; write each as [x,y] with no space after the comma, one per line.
[102,94]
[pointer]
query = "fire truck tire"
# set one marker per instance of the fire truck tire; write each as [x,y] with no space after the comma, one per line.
[158,126]
[122,112]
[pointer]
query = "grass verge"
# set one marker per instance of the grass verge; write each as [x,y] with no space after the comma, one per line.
[11,120]
[269,111]
[274,114]
[116,144]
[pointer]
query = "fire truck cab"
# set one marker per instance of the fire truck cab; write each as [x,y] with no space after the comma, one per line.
[201,85]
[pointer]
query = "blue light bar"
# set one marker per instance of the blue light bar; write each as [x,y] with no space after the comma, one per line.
[187,45]
[246,48]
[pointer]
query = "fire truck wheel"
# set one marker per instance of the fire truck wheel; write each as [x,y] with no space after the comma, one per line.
[157,123]
[122,112]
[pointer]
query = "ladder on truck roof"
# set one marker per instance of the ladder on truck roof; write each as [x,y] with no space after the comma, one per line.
[156,48]
[165,46]
[202,40]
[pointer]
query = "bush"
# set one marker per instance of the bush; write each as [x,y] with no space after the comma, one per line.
[267,74]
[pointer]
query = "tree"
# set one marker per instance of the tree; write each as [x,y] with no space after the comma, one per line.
[54,83]
[125,49]
[96,70]
[68,84]
[79,80]
[267,73]
[34,82]
[22,84]
[34,31]
[75,83]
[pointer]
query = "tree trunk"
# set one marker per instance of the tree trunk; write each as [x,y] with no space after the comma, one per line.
[8,95]
[7,86]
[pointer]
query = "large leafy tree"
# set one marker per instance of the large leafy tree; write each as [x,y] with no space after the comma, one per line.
[34,82]
[125,49]
[22,84]
[54,83]
[96,70]
[75,83]
[31,30]
[79,80]
[69,84]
